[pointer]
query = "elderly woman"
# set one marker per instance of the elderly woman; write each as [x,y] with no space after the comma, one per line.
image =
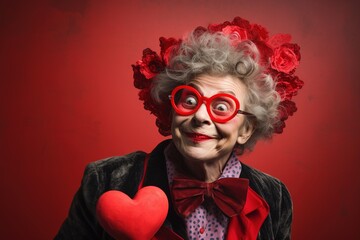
[217,92]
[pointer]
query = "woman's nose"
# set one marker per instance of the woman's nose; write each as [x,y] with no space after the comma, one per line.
[201,116]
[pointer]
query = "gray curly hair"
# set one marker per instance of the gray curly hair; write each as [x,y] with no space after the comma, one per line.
[214,54]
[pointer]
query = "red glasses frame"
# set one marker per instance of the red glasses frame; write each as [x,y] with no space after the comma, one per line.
[207,102]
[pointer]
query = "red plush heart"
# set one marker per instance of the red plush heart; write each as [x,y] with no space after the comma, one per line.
[139,218]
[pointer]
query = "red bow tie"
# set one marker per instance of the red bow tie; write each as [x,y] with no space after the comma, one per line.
[229,194]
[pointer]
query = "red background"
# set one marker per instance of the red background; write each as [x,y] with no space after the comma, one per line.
[67,99]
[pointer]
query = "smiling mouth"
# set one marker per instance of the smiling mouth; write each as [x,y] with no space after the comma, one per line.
[197,137]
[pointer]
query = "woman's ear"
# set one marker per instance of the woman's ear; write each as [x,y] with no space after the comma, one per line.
[245,133]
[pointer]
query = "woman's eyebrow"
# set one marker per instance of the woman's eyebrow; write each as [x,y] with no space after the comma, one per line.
[196,87]
[229,92]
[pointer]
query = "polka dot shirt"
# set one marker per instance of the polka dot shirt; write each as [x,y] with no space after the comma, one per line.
[207,221]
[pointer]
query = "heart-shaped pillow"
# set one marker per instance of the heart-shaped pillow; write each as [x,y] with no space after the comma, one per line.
[138,218]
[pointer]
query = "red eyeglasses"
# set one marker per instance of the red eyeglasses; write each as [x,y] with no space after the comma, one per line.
[221,107]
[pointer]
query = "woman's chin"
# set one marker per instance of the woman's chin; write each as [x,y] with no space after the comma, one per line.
[198,152]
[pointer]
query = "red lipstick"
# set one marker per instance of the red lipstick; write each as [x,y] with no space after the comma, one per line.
[198,137]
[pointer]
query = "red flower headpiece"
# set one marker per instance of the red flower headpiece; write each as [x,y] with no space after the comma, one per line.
[278,55]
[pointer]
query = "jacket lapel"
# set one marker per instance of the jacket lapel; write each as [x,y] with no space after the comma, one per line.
[174,227]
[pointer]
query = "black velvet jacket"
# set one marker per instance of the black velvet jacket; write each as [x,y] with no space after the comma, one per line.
[124,174]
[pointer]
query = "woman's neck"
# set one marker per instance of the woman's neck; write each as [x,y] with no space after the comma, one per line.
[204,170]
[207,171]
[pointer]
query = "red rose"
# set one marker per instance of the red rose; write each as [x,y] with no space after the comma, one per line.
[161,111]
[259,32]
[151,64]
[140,80]
[279,39]
[279,127]
[144,94]
[238,29]
[218,27]
[235,33]
[244,24]
[149,104]
[168,46]
[286,90]
[287,85]
[163,121]
[285,58]
[164,127]
[286,109]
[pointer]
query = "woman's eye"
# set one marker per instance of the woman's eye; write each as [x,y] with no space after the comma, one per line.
[221,107]
[190,101]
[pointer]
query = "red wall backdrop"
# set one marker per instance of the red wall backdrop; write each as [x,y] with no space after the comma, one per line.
[66,99]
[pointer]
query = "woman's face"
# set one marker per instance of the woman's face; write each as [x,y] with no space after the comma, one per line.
[197,137]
